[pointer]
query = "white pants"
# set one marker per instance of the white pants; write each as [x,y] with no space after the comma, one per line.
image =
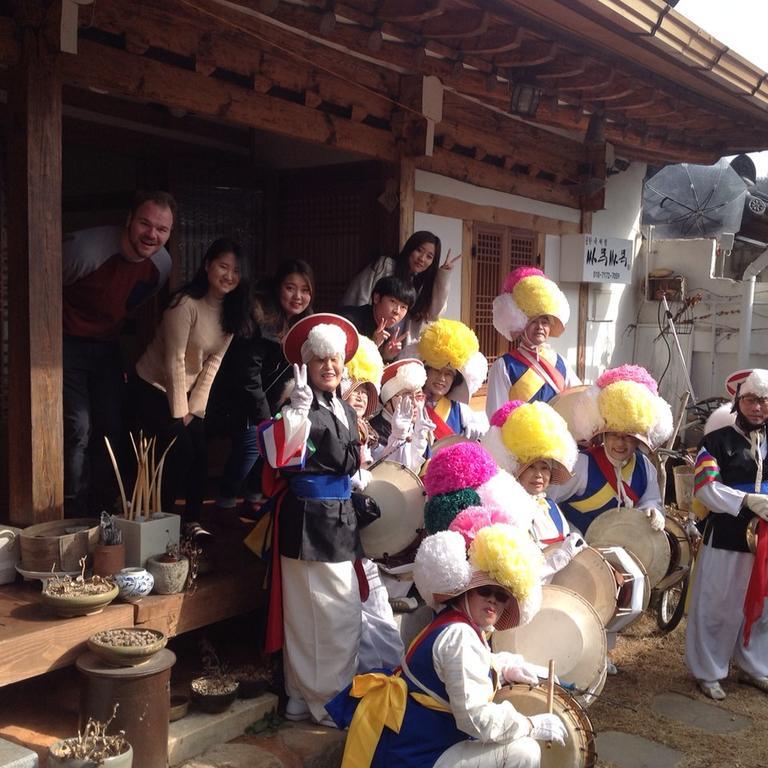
[520,753]
[716,618]
[380,643]
[321,622]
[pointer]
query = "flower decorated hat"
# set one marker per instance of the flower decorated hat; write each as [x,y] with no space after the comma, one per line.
[623,400]
[406,374]
[465,475]
[748,381]
[321,335]
[499,555]
[528,293]
[451,344]
[364,371]
[523,433]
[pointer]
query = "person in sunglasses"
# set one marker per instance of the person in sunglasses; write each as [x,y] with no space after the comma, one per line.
[442,695]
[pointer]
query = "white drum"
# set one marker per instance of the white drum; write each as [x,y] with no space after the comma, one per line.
[634,591]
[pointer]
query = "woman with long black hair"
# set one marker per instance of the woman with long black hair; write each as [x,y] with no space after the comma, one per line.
[175,373]
[418,263]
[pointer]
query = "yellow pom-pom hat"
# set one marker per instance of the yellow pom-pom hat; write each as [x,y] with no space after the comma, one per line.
[523,433]
[500,555]
[364,371]
[451,344]
[528,293]
[625,400]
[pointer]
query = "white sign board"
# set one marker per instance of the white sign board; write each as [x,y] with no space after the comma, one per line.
[596,259]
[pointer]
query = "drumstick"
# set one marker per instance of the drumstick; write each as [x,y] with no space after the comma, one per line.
[551,687]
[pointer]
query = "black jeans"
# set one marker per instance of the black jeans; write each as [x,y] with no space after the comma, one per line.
[186,465]
[94,394]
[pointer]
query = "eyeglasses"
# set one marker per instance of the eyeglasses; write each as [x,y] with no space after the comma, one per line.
[754,400]
[499,595]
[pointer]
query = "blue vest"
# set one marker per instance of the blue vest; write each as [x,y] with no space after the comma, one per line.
[557,519]
[596,481]
[516,368]
[454,418]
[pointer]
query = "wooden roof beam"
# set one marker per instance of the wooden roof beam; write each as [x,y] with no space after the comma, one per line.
[494,41]
[456,24]
[404,11]
[563,67]
[601,78]
[530,54]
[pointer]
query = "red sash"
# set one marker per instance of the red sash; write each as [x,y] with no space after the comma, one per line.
[441,428]
[274,486]
[542,367]
[757,590]
[609,472]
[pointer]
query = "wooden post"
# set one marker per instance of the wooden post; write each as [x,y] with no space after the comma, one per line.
[407,194]
[581,331]
[35,426]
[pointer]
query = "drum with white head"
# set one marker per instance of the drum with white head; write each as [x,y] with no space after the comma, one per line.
[400,496]
[579,748]
[634,592]
[629,528]
[567,629]
[681,553]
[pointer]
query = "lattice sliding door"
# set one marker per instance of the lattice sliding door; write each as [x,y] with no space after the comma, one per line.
[496,250]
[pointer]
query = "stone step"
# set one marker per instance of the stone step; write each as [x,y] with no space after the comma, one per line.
[14,756]
[198,731]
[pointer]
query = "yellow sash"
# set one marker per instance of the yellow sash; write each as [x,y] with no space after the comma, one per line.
[443,408]
[530,382]
[606,493]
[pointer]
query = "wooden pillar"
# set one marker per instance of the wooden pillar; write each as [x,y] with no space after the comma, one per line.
[581,331]
[35,456]
[407,198]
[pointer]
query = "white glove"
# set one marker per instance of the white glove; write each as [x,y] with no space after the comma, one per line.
[655,518]
[758,503]
[402,418]
[302,395]
[573,543]
[360,479]
[474,431]
[548,728]
[522,672]
[423,425]
[693,532]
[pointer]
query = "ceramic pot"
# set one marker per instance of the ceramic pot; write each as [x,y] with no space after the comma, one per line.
[78,605]
[213,703]
[108,559]
[134,583]
[124,760]
[170,578]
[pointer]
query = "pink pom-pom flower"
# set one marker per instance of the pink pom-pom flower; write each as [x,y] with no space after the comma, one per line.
[516,275]
[500,415]
[470,520]
[463,465]
[634,373]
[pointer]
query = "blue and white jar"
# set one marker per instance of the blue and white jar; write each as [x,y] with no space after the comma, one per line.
[134,583]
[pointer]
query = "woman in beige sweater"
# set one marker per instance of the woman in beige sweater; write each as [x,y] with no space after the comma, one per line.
[175,373]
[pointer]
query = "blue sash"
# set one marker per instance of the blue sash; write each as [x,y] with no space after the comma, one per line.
[306,486]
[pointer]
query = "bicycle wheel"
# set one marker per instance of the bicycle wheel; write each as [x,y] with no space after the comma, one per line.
[670,606]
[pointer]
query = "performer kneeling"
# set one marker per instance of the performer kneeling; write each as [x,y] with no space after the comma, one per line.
[438,709]
[532,442]
[315,524]
[727,619]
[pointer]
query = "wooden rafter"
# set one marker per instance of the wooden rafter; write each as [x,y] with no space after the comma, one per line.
[456,24]
[530,54]
[403,11]
[494,41]
[599,77]
[563,67]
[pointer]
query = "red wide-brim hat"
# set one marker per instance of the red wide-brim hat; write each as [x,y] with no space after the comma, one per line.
[298,334]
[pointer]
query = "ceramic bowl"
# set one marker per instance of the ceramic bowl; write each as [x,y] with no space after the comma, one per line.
[78,605]
[212,702]
[125,760]
[134,583]
[179,707]
[127,655]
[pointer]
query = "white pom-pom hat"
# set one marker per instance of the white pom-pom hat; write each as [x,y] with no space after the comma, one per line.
[528,293]
[748,381]
[407,374]
[321,335]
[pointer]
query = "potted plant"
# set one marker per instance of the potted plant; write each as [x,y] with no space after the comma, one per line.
[78,596]
[109,553]
[253,680]
[217,688]
[127,647]
[169,570]
[145,528]
[92,748]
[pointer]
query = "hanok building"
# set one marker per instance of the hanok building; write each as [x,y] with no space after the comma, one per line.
[331,130]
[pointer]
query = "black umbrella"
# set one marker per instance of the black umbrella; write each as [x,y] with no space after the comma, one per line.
[694,200]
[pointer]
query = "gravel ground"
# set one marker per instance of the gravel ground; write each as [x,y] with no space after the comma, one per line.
[651,663]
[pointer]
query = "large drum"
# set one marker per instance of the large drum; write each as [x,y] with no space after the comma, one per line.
[590,575]
[629,528]
[572,404]
[568,630]
[400,496]
[634,592]
[579,748]
[680,554]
